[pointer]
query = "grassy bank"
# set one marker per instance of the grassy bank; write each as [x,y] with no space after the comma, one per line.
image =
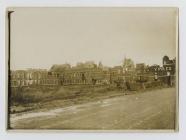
[40,97]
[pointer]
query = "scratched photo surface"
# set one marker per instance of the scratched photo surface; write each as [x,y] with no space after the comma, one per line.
[92,68]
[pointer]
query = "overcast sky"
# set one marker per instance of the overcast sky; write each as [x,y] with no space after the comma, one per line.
[41,37]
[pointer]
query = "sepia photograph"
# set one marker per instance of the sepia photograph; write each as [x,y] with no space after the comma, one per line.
[92,68]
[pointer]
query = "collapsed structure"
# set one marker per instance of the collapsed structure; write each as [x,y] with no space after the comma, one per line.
[90,73]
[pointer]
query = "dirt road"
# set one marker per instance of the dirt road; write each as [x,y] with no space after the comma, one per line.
[149,110]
